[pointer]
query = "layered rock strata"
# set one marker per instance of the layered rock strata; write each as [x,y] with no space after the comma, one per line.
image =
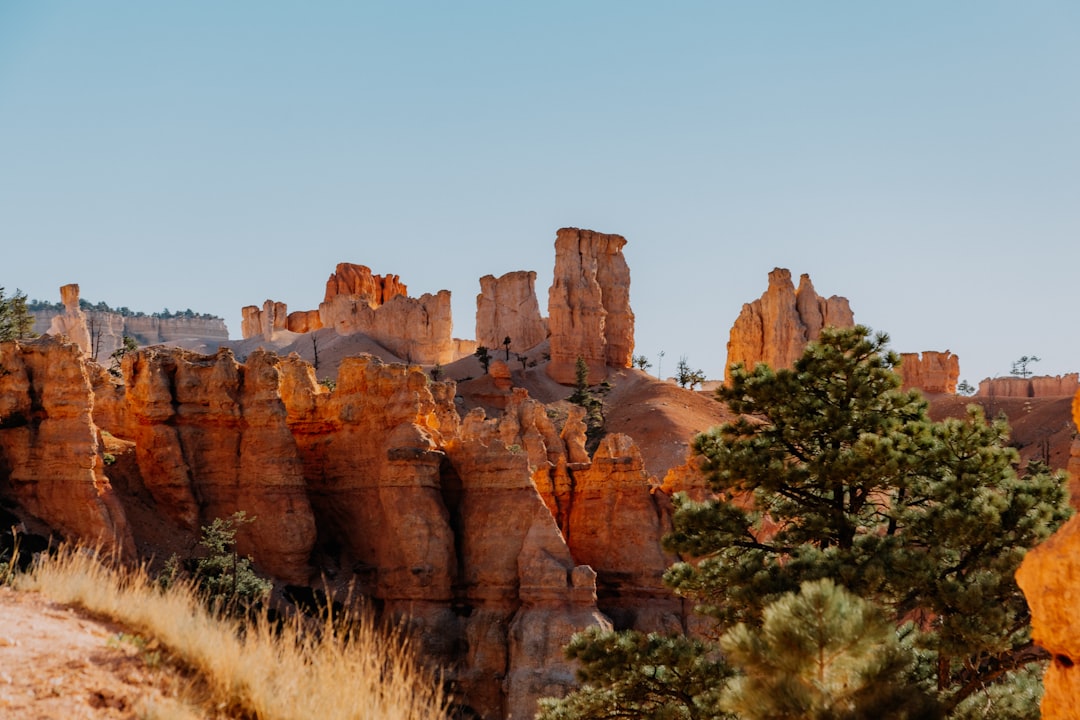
[589,313]
[100,333]
[507,308]
[776,328]
[51,460]
[1040,386]
[931,372]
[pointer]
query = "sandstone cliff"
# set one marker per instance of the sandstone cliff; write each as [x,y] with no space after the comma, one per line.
[776,327]
[51,460]
[1040,386]
[378,484]
[931,372]
[589,312]
[507,307]
[100,333]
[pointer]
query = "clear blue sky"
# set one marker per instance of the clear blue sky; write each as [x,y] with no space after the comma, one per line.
[920,158]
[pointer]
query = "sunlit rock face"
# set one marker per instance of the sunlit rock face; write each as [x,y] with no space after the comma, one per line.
[51,461]
[931,372]
[776,328]
[1049,577]
[589,313]
[507,308]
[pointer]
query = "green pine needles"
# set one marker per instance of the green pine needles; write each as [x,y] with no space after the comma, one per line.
[834,488]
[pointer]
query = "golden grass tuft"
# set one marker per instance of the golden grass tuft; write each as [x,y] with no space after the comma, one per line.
[254,669]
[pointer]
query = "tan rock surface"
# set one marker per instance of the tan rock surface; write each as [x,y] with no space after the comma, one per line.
[507,307]
[589,312]
[72,322]
[418,330]
[776,327]
[931,372]
[56,662]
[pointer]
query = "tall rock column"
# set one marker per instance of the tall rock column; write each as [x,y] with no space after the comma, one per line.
[776,327]
[589,312]
[72,323]
[507,308]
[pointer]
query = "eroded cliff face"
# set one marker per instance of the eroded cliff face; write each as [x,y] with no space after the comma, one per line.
[589,313]
[931,372]
[1039,386]
[776,327]
[507,308]
[99,334]
[489,534]
[50,454]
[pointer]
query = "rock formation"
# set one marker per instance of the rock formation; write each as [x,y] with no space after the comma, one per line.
[932,372]
[589,312]
[50,455]
[507,308]
[776,327]
[105,331]
[349,279]
[379,483]
[1049,577]
[1041,386]
[417,330]
[72,322]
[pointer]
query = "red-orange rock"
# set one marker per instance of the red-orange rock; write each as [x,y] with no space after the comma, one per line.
[417,330]
[49,445]
[1049,576]
[72,323]
[589,312]
[303,321]
[932,372]
[617,519]
[776,328]
[350,279]
[212,438]
[1038,386]
[507,308]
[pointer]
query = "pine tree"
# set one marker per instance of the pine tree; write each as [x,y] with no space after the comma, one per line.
[637,675]
[16,322]
[822,654]
[839,474]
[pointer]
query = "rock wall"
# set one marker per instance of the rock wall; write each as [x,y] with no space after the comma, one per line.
[1038,386]
[776,327]
[507,307]
[931,372]
[589,313]
[349,279]
[99,334]
[51,460]
[496,537]
[417,330]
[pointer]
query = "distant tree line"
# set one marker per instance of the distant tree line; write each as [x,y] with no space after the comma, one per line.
[87,306]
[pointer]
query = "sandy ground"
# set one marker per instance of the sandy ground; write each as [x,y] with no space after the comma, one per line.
[56,663]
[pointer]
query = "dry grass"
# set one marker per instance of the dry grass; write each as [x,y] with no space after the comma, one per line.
[345,670]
